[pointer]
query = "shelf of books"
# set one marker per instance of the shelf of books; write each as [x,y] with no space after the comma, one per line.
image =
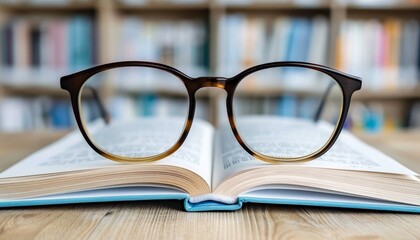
[44,40]
[381,44]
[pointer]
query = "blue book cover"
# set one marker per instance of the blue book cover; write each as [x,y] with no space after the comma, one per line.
[153,194]
[287,106]
[299,39]
[80,42]
[61,115]
[148,104]
[373,120]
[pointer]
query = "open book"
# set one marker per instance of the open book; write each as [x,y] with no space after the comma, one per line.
[212,172]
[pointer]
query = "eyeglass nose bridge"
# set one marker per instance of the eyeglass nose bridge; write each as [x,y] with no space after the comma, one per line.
[218,82]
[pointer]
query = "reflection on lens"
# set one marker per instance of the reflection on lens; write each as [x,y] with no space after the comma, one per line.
[134,111]
[295,123]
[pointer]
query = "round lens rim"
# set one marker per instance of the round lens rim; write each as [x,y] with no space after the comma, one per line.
[78,80]
[347,83]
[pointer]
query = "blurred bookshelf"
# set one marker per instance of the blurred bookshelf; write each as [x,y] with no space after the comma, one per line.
[42,40]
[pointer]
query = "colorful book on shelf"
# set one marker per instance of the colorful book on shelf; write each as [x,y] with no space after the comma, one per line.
[37,51]
[384,52]
[266,40]
[212,172]
[182,44]
[81,42]
[299,40]
[61,115]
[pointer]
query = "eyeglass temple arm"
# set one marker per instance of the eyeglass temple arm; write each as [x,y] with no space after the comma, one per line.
[104,114]
[322,103]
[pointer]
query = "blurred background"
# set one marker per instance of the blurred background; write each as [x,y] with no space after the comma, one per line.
[42,40]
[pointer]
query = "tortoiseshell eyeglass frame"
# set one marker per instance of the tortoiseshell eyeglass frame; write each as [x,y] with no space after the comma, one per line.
[74,84]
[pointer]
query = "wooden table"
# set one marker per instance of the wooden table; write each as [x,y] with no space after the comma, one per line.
[167,219]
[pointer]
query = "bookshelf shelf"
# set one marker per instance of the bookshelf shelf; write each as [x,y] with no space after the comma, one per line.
[179,7]
[35,91]
[402,11]
[413,94]
[389,8]
[108,18]
[205,93]
[274,92]
[27,7]
[274,6]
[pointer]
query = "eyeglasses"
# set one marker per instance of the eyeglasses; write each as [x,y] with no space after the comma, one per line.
[301,118]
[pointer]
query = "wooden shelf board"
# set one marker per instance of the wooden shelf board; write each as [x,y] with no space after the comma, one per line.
[361,95]
[388,95]
[47,7]
[274,92]
[34,91]
[226,6]
[404,94]
[164,6]
[273,6]
[398,7]
[164,92]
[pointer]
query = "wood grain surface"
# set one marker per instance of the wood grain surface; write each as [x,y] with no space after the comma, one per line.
[167,219]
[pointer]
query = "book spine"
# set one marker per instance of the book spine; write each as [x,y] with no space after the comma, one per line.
[263,40]
[287,106]
[35,34]
[382,52]
[9,39]
[60,114]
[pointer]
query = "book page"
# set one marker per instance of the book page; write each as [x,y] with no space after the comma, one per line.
[348,153]
[120,193]
[312,195]
[72,153]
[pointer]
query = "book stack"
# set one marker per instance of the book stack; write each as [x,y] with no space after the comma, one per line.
[247,41]
[147,105]
[40,113]
[371,117]
[374,117]
[288,105]
[22,114]
[182,44]
[36,52]
[384,53]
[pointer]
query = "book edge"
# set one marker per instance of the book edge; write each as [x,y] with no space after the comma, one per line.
[212,205]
